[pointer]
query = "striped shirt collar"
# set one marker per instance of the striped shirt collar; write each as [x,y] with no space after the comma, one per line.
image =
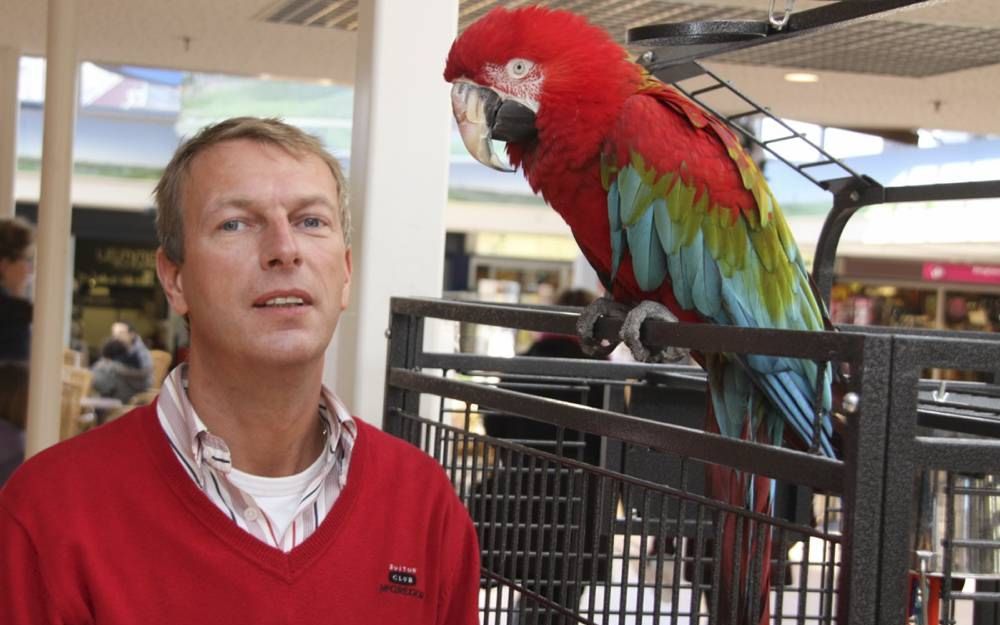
[208,461]
[203,446]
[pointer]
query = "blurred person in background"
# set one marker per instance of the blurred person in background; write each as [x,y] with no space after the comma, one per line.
[17,265]
[547,345]
[138,356]
[13,411]
[114,374]
[562,345]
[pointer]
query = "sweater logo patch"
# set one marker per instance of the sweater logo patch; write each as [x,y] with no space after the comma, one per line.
[402,580]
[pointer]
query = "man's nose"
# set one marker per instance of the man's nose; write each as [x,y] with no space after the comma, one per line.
[279,247]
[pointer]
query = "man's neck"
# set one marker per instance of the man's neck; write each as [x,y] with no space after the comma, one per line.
[269,417]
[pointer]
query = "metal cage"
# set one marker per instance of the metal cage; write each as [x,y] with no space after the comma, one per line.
[598,514]
[585,478]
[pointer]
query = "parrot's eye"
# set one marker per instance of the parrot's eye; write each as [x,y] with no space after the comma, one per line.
[519,68]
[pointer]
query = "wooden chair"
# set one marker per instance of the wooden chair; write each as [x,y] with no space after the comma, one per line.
[80,376]
[161,366]
[75,386]
[72,357]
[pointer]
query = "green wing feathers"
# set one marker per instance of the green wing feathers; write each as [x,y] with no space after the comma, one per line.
[732,266]
[646,206]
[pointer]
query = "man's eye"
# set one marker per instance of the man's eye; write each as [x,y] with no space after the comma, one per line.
[312,222]
[233,225]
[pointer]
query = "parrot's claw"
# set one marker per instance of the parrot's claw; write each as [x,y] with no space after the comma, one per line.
[632,326]
[601,307]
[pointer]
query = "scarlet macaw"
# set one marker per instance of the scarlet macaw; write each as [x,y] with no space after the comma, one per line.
[671,212]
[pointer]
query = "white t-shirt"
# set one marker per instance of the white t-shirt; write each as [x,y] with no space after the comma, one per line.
[278,497]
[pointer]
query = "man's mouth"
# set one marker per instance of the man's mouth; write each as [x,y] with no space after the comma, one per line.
[283,300]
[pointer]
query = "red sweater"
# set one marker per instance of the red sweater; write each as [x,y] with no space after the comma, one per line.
[108,528]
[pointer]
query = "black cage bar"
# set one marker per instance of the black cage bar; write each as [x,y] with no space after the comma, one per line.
[951,446]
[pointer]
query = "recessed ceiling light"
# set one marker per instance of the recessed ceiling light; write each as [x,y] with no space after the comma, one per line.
[801,77]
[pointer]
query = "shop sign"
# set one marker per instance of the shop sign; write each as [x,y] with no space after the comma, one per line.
[100,264]
[955,272]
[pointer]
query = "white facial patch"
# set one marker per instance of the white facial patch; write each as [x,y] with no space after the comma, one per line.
[525,90]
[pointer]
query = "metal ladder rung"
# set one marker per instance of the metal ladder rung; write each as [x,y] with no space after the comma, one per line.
[757,109]
[779,139]
[817,163]
[714,87]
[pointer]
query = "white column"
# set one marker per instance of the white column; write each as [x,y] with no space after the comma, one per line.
[69,263]
[9,60]
[54,211]
[399,183]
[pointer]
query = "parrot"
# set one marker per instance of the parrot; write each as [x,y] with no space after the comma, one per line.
[677,221]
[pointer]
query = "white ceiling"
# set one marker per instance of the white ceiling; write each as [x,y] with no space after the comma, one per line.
[222,36]
[231,36]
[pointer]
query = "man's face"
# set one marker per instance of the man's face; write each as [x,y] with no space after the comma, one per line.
[266,273]
[121,332]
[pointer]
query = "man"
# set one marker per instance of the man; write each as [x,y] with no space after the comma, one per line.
[125,368]
[113,375]
[247,493]
[138,355]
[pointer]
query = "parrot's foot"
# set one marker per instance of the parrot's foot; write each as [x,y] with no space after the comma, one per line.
[633,325]
[603,306]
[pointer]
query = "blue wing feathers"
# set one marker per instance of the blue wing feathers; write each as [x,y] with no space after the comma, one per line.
[692,261]
[708,294]
[648,260]
[728,291]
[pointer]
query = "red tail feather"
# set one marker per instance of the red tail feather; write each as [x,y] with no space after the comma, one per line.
[746,543]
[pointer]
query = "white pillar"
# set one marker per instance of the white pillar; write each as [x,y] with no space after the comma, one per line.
[399,182]
[9,65]
[54,211]
[69,263]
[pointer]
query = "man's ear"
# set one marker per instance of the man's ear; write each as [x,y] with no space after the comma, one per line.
[169,274]
[345,295]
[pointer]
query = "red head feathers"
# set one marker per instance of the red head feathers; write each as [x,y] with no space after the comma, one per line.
[552,66]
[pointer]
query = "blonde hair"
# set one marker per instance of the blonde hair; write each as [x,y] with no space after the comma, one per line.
[271,131]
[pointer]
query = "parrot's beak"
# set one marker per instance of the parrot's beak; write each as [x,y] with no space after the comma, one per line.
[483,115]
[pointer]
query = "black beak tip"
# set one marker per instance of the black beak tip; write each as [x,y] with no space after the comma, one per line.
[511,122]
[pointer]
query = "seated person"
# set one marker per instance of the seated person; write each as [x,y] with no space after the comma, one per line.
[138,354]
[115,374]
